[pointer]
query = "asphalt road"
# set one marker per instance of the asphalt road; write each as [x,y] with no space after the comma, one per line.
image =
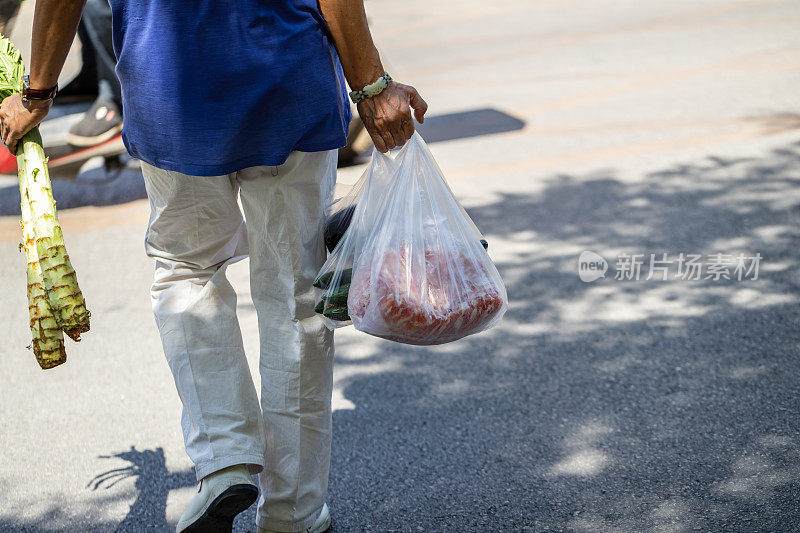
[609,406]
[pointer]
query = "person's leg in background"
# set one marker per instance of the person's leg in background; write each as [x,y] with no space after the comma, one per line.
[195,231]
[104,119]
[8,11]
[284,207]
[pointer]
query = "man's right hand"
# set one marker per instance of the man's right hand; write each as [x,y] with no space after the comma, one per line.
[387,116]
[18,117]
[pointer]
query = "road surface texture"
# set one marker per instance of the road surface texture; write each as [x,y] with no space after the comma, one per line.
[672,405]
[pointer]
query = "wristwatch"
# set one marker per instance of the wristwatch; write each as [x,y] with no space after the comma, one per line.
[37,94]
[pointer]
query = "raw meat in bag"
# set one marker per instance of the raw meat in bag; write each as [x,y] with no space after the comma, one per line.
[422,275]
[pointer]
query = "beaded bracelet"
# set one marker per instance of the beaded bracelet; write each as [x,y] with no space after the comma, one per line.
[373,89]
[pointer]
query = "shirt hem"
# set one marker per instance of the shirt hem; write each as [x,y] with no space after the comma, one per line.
[229,167]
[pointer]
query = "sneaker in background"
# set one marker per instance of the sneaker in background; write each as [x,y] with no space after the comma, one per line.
[102,122]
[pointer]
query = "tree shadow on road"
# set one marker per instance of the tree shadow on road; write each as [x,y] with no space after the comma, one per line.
[607,406]
[152,483]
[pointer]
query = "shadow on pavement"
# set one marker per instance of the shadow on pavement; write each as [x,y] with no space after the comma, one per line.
[153,483]
[613,406]
[464,124]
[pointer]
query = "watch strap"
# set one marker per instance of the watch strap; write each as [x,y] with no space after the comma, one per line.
[37,94]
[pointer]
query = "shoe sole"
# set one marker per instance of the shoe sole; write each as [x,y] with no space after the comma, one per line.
[325,526]
[218,518]
[81,141]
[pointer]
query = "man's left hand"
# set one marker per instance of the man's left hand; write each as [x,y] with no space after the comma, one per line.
[387,116]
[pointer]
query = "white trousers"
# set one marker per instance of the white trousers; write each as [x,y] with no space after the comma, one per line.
[195,231]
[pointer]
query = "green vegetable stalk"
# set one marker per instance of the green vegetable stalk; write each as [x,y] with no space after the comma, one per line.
[55,301]
[48,340]
[60,282]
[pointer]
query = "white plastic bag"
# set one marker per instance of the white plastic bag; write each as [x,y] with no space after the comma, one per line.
[420,274]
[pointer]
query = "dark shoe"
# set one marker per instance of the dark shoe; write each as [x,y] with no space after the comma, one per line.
[102,122]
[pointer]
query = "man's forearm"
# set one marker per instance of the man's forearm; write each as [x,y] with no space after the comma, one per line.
[347,22]
[55,23]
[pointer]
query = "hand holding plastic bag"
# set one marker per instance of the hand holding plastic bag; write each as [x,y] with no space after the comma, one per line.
[420,274]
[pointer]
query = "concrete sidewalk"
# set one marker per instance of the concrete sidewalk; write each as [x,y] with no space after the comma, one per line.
[613,406]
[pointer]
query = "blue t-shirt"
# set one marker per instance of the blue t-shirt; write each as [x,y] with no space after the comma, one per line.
[212,87]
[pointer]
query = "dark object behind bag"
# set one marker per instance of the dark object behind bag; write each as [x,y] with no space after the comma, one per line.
[337,224]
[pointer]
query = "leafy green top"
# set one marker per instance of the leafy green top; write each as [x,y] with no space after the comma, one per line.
[11,68]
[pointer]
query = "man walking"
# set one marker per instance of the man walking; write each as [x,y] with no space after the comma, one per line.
[223,99]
